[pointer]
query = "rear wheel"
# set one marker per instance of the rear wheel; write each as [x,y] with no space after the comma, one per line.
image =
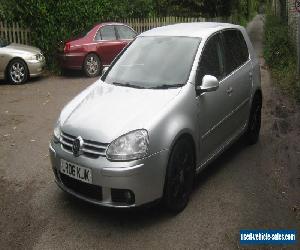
[17,71]
[92,65]
[180,176]
[254,124]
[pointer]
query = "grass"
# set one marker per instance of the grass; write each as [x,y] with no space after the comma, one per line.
[280,55]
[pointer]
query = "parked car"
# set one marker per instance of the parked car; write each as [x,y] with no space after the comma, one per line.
[95,49]
[18,62]
[155,119]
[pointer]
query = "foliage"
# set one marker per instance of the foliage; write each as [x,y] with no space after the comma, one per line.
[280,55]
[206,8]
[54,21]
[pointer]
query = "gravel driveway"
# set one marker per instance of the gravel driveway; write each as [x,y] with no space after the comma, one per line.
[246,188]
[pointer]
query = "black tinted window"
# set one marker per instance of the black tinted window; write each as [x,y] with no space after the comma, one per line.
[211,62]
[125,32]
[236,50]
[108,32]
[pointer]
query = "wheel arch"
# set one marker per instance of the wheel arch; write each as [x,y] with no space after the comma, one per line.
[185,133]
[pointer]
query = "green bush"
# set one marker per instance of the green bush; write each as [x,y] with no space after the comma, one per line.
[54,21]
[278,49]
[280,55]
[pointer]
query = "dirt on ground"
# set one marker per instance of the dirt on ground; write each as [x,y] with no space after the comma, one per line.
[254,187]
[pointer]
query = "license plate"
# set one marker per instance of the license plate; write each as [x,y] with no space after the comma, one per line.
[75,171]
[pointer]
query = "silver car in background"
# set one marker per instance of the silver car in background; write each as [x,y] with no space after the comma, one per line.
[169,104]
[19,62]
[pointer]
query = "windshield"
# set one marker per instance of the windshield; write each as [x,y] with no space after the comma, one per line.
[3,42]
[154,62]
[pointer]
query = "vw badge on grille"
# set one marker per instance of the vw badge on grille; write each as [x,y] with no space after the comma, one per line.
[77,146]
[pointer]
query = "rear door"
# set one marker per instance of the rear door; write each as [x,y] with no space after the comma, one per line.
[108,46]
[238,69]
[125,34]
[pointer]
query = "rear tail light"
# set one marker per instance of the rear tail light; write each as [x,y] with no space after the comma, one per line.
[67,47]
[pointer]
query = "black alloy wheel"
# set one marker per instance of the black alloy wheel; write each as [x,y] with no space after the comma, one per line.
[254,124]
[179,176]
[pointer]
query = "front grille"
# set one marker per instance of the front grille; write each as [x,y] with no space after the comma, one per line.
[91,149]
[85,189]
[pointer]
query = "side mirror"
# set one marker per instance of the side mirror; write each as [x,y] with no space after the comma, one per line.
[209,84]
[104,70]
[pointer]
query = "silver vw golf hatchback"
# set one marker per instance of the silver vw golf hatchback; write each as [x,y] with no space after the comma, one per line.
[170,103]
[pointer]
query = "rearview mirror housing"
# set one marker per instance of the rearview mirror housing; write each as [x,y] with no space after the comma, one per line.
[209,84]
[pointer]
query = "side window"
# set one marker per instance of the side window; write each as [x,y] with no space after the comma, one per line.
[243,48]
[125,32]
[235,50]
[211,62]
[108,33]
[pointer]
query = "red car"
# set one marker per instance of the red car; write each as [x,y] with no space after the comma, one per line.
[96,48]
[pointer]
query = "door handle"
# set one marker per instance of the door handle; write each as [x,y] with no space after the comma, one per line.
[229,90]
[250,75]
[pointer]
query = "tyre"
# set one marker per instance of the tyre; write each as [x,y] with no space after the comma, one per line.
[254,124]
[92,65]
[179,176]
[17,71]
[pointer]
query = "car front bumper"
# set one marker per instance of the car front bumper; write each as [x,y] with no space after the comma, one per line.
[35,67]
[143,178]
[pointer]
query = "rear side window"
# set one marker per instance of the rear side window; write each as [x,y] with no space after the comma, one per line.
[211,62]
[235,50]
[108,33]
[125,32]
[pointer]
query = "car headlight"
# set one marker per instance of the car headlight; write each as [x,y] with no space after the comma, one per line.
[37,57]
[57,132]
[131,146]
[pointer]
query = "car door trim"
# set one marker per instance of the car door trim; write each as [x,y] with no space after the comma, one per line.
[221,148]
[206,134]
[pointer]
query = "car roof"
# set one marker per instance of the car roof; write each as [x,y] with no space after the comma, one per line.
[109,23]
[200,29]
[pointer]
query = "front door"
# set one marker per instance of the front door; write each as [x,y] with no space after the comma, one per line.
[213,107]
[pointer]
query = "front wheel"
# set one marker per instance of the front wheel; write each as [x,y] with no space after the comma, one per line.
[254,124]
[17,71]
[180,176]
[92,65]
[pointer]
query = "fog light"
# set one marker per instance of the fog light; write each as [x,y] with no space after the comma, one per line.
[122,196]
[129,197]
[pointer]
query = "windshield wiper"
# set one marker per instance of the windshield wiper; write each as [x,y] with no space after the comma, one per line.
[167,86]
[128,85]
